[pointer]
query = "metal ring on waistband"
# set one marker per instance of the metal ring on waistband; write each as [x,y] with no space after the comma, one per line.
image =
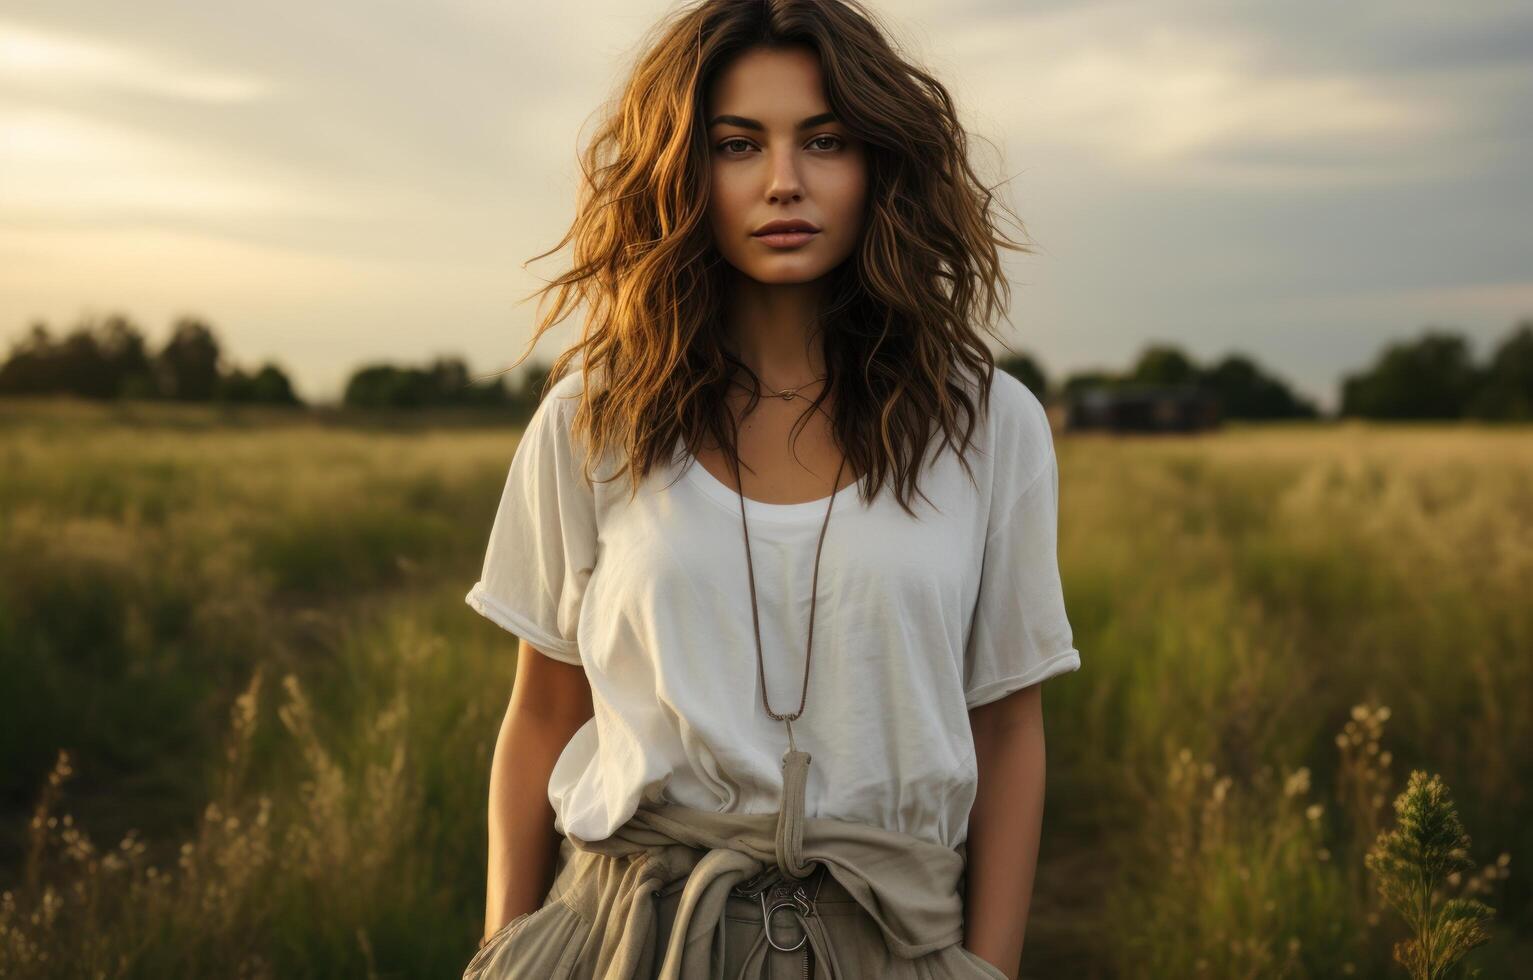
[793,894]
[766,923]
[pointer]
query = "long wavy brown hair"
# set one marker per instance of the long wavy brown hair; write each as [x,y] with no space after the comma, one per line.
[901,328]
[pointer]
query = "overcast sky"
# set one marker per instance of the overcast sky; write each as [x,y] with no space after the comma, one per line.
[329,184]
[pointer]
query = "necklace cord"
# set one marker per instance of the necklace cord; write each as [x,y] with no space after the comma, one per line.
[813,594]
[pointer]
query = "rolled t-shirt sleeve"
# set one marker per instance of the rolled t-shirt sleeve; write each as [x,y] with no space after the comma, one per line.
[1020,633]
[543,542]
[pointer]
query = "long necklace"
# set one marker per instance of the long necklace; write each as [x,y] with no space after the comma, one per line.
[787,719]
[794,893]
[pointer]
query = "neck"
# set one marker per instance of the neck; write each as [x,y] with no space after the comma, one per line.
[773,330]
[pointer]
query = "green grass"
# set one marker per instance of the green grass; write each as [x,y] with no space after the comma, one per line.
[258,615]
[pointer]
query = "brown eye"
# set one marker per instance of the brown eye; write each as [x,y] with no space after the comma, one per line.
[730,142]
[835,139]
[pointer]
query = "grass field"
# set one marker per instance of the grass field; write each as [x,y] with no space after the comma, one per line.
[246,632]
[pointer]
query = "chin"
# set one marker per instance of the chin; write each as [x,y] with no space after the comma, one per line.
[787,269]
[787,277]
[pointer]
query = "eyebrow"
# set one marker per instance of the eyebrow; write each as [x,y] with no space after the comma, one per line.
[744,123]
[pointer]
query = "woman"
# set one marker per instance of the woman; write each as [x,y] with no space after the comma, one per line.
[781,553]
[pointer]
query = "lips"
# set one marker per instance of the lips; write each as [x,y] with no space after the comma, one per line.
[786,225]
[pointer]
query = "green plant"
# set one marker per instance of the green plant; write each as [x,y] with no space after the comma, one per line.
[1427,852]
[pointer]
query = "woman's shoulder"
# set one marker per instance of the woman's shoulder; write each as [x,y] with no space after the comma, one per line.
[1017,427]
[1014,402]
[553,414]
[547,432]
[553,422]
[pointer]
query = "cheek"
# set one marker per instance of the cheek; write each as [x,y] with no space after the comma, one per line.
[847,202]
[727,203]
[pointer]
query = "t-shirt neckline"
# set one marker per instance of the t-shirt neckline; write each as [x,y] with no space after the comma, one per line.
[756,509]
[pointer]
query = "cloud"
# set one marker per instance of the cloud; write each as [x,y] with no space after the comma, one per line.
[74,151]
[30,57]
[1170,94]
[60,165]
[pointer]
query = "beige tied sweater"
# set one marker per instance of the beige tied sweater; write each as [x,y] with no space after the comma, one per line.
[600,919]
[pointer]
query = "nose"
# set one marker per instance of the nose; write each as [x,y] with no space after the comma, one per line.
[783,182]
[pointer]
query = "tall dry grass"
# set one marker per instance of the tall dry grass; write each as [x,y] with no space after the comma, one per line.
[251,641]
[1247,597]
[150,571]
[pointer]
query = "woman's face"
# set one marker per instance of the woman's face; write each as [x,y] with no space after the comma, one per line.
[778,154]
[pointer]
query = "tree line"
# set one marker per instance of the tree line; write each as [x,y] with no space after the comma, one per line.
[108,358]
[1242,388]
[1430,376]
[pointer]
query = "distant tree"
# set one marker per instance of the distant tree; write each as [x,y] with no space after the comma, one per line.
[1026,370]
[119,360]
[126,357]
[268,386]
[455,385]
[97,359]
[1163,364]
[1429,377]
[1083,380]
[386,386]
[449,378]
[272,387]
[1245,392]
[488,394]
[1243,389]
[1506,386]
[445,382]
[84,369]
[32,367]
[235,386]
[188,365]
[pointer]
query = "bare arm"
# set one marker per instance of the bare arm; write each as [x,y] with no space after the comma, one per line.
[549,702]
[1004,825]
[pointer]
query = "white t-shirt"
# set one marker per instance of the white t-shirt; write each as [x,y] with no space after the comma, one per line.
[918,620]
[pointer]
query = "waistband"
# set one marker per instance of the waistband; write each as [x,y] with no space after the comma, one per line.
[907,885]
[783,904]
